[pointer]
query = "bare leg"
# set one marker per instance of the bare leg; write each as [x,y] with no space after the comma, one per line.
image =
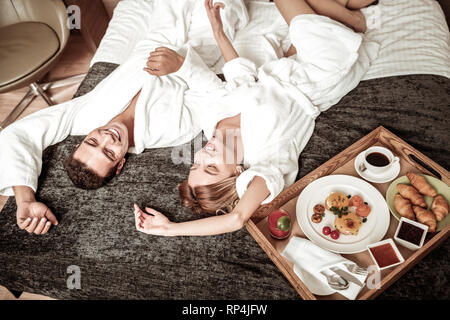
[290,8]
[357,4]
[336,10]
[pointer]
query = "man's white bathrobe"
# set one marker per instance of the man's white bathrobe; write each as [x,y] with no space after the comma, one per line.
[278,110]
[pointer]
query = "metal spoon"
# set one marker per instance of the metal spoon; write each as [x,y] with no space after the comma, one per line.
[335,281]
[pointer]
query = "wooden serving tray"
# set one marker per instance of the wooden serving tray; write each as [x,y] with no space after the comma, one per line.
[343,163]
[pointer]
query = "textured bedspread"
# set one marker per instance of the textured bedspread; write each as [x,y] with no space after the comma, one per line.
[97,233]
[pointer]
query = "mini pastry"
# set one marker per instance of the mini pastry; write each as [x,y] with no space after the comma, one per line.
[411,193]
[316,218]
[348,224]
[421,184]
[403,207]
[318,208]
[426,217]
[439,207]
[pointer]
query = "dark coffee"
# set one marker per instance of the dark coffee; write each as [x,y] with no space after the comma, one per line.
[377,159]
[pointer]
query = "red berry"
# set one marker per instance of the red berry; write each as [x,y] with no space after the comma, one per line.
[326,230]
[334,234]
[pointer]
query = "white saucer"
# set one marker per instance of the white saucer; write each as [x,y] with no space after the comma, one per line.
[387,176]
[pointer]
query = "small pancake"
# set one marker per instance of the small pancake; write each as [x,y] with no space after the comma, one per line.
[348,224]
[336,199]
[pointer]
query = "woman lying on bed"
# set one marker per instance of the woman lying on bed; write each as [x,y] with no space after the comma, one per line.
[253,150]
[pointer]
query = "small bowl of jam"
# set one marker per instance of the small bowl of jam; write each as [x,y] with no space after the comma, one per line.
[410,234]
[385,254]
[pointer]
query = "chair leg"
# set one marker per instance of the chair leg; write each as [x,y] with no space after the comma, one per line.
[18,109]
[39,91]
[35,90]
[63,82]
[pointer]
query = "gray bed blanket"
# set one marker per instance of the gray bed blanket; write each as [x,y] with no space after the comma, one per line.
[97,234]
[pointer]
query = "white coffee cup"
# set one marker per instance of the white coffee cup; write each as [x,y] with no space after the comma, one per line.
[377,153]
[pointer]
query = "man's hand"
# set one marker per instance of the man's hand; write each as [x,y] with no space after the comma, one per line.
[34,217]
[152,222]
[163,61]
[213,12]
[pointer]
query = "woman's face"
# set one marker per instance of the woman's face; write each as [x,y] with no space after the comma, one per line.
[215,162]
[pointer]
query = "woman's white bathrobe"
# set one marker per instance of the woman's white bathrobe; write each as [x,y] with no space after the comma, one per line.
[278,111]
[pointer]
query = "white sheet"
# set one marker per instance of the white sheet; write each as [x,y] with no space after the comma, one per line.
[127,27]
[414,39]
[413,34]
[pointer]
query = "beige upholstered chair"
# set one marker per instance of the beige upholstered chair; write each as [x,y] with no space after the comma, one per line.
[33,35]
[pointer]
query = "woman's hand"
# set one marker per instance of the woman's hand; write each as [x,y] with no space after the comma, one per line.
[163,61]
[152,222]
[213,12]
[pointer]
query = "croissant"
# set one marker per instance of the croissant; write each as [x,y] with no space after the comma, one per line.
[426,217]
[439,207]
[410,193]
[421,184]
[403,207]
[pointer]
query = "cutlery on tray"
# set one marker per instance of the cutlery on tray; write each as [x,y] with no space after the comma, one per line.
[335,281]
[354,268]
[347,276]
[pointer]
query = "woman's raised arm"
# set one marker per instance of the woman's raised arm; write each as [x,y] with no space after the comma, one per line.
[213,12]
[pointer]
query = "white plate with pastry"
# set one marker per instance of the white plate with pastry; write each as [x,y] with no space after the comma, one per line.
[342,213]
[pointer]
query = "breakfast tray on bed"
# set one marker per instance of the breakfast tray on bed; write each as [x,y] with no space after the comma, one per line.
[343,163]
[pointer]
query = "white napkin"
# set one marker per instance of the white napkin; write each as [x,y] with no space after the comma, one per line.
[309,260]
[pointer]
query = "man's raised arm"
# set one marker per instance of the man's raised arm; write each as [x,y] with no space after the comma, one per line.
[21,147]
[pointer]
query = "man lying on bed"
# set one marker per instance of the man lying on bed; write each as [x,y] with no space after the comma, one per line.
[128,111]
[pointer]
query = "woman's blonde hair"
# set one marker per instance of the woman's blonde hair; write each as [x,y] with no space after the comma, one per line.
[216,198]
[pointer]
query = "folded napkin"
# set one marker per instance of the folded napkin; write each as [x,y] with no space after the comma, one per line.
[310,260]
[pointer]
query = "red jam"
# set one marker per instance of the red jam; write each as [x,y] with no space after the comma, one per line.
[384,255]
[279,224]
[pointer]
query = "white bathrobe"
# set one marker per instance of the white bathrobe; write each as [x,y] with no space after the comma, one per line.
[162,118]
[278,111]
